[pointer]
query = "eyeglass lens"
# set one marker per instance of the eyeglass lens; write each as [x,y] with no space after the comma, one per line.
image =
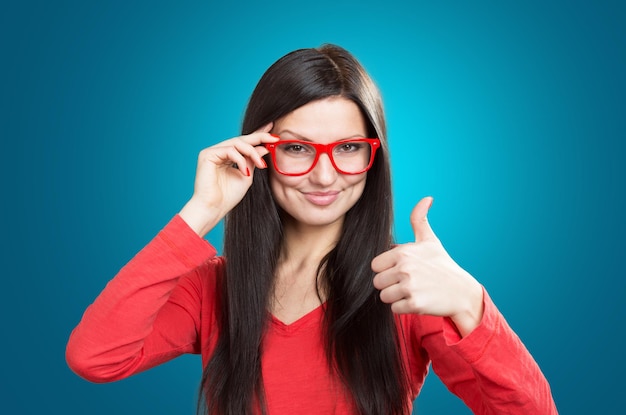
[348,156]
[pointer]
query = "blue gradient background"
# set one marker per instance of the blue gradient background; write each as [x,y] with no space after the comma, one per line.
[511,114]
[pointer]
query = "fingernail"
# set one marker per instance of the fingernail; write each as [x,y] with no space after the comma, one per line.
[247,172]
[264,163]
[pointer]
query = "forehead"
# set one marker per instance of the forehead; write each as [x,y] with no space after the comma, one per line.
[323,121]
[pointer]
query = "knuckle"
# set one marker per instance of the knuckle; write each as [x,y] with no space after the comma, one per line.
[375,282]
[414,305]
[205,155]
[405,270]
[384,296]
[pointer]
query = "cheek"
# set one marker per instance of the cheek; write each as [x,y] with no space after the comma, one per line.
[357,182]
[280,183]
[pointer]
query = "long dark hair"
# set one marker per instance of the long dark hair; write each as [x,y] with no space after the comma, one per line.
[362,342]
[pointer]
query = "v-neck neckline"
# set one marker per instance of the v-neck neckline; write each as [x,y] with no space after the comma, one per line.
[305,320]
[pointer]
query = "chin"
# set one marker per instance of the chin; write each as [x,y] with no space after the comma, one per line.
[312,218]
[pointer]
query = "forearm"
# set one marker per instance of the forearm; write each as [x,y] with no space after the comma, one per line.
[491,369]
[200,217]
[108,343]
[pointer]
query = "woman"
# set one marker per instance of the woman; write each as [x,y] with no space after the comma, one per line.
[311,309]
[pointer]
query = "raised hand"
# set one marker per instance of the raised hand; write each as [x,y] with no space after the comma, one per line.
[421,278]
[223,176]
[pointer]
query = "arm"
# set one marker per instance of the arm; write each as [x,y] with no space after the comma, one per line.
[471,346]
[149,313]
[490,369]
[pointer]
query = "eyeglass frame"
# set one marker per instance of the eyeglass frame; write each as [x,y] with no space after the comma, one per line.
[321,149]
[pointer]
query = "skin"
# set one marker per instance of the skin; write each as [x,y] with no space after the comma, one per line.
[418,277]
[421,278]
[218,186]
[305,198]
[314,204]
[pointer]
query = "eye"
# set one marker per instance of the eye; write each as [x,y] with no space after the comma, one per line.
[296,148]
[349,147]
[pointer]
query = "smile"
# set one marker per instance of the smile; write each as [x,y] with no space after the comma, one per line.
[321,198]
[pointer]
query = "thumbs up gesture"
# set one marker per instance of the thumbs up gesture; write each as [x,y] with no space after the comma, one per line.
[421,278]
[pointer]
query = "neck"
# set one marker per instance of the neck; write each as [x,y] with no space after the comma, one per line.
[296,289]
[305,244]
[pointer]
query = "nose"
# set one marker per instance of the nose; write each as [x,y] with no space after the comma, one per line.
[324,172]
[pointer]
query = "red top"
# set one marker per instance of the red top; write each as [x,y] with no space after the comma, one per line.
[162,304]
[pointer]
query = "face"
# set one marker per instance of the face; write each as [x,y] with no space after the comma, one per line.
[322,196]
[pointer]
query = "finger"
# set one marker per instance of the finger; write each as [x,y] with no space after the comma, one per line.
[258,137]
[262,152]
[266,128]
[253,153]
[246,147]
[257,142]
[383,261]
[419,220]
[263,134]
[384,280]
[236,160]
[402,306]
[392,294]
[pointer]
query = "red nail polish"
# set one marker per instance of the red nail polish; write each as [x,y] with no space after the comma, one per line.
[247,172]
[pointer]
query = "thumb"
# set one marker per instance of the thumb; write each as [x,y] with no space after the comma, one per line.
[419,220]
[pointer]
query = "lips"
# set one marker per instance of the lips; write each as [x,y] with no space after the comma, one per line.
[321,198]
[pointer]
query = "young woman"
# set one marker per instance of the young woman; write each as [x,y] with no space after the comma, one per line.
[311,309]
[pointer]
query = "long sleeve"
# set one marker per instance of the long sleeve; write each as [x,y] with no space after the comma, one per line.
[149,312]
[490,369]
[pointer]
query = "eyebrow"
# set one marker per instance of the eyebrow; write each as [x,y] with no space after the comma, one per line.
[302,138]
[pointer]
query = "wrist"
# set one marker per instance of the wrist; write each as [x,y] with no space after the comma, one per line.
[471,315]
[200,217]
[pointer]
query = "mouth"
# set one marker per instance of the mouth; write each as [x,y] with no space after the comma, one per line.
[321,198]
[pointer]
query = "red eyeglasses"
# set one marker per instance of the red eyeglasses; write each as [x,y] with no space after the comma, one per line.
[296,157]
